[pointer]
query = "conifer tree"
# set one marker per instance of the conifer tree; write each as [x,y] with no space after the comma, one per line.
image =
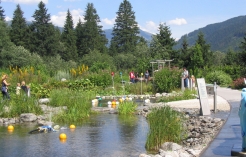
[5,43]
[69,39]
[2,16]
[18,31]
[165,39]
[185,53]
[43,36]
[93,36]
[125,31]
[205,49]
[79,38]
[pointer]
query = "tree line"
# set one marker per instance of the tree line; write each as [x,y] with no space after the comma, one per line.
[43,44]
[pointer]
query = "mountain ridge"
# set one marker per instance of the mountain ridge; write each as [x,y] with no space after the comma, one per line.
[220,36]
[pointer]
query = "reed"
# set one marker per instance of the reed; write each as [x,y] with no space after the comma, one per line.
[78,105]
[127,108]
[166,125]
[18,105]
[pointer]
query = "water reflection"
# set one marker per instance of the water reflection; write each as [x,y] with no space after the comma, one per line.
[102,135]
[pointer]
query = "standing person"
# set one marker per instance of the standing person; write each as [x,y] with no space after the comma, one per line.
[18,88]
[5,85]
[25,88]
[132,76]
[146,76]
[185,77]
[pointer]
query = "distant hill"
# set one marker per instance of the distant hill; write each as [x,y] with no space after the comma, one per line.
[221,36]
[146,35]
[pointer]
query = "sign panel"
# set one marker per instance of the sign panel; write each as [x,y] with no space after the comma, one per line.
[203,97]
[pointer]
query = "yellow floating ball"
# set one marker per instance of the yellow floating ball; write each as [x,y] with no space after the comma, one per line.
[72,126]
[63,136]
[10,127]
[120,100]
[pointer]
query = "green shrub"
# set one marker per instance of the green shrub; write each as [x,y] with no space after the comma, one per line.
[166,125]
[127,108]
[220,77]
[167,80]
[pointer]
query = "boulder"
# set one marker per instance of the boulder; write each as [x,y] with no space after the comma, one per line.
[28,117]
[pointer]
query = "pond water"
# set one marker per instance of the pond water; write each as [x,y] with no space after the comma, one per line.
[103,135]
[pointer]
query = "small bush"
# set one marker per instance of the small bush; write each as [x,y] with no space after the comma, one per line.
[220,77]
[167,80]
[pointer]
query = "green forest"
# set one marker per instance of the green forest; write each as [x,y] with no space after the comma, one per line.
[43,47]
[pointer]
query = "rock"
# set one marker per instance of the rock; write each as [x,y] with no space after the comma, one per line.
[63,79]
[28,117]
[170,146]
[44,101]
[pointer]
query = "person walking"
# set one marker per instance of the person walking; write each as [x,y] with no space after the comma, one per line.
[5,85]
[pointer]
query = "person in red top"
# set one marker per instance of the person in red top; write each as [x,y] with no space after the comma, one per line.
[132,77]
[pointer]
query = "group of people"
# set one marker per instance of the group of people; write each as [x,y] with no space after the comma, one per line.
[185,76]
[20,86]
[134,77]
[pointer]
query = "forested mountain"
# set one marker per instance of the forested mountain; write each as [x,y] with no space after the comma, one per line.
[145,35]
[221,36]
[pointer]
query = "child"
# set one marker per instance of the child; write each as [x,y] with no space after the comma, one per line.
[18,88]
[193,79]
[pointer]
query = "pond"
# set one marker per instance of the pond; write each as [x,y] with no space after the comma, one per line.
[103,135]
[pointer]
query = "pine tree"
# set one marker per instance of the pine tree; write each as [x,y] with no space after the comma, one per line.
[69,39]
[18,31]
[93,36]
[165,39]
[185,53]
[5,43]
[2,16]
[125,31]
[205,49]
[43,36]
[79,38]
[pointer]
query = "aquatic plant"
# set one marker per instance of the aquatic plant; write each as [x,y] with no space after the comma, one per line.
[127,108]
[78,104]
[19,104]
[166,125]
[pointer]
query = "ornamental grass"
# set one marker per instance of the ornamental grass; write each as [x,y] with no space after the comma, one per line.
[166,125]
[127,108]
[78,104]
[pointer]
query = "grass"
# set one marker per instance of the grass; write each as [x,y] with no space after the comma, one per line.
[127,108]
[18,105]
[166,125]
[78,105]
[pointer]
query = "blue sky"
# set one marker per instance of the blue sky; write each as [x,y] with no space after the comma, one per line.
[182,16]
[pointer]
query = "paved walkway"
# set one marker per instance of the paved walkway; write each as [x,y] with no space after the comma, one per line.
[230,134]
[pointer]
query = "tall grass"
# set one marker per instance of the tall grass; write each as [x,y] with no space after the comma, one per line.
[78,104]
[127,108]
[166,125]
[18,105]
